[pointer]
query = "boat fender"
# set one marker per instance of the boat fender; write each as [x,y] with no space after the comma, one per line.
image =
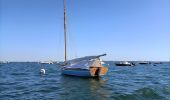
[42,71]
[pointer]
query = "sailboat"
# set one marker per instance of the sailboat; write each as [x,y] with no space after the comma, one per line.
[89,66]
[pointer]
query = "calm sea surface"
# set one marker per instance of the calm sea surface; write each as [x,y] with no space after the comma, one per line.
[22,81]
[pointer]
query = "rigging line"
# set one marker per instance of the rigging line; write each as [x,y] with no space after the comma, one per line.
[59,35]
[71,41]
[72,46]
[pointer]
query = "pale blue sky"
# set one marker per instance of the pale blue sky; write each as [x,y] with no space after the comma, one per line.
[32,30]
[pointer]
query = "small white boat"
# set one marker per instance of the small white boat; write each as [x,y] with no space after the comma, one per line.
[144,62]
[124,63]
[4,62]
[46,62]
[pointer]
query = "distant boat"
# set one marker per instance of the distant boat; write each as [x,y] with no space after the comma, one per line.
[124,63]
[89,66]
[4,62]
[157,62]
[46,62]
[144,62]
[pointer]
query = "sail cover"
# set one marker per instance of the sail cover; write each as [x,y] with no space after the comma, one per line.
[82,63]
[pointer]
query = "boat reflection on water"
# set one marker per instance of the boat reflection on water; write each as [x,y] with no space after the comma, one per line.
[85,88]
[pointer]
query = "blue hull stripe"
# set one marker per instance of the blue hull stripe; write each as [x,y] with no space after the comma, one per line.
[77,72]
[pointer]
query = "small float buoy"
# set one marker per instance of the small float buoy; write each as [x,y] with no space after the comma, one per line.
[42,71]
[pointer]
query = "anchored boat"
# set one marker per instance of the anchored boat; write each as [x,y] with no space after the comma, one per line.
[144,62]
[124,63]
[89,66]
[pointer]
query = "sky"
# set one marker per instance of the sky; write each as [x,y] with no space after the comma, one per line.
[32,30]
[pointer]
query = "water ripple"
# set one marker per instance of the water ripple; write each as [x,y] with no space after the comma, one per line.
[22,81]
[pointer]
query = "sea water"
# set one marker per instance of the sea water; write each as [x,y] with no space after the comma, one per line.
[23,81]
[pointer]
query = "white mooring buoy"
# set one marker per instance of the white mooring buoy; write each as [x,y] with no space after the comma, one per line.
[42,71]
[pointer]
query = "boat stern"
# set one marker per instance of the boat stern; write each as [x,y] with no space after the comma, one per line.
[103,71]
[98,71]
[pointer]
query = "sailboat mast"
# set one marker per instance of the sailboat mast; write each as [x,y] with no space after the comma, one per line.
[65,33]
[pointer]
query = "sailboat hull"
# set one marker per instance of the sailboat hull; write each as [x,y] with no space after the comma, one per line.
[92,72]
[80,72]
